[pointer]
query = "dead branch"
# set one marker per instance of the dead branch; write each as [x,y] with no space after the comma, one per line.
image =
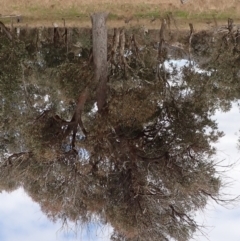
[6,31]
[190,40]
[77,117]
[162,29]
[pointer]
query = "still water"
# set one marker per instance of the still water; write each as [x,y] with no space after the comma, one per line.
[119,131]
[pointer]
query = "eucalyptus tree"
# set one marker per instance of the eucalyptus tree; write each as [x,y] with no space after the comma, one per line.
[121,137]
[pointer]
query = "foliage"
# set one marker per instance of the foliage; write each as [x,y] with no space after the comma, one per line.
[145,163]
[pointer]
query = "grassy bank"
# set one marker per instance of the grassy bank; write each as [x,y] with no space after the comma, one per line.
[120,9]
[203,13]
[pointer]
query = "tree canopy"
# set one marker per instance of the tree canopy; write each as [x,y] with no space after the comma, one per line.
[132,145]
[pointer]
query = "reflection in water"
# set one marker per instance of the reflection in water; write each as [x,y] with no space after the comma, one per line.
[121,134]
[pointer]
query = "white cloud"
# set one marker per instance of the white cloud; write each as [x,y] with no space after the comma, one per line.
[222,223]
[21,219]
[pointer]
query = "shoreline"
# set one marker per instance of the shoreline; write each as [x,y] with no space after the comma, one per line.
[181,24]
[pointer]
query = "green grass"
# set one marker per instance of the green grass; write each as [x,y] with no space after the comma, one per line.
[113,16]
[181,14]
[72,13]
[147,15]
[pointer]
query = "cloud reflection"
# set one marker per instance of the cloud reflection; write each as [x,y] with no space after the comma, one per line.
[21,219]
[222,223]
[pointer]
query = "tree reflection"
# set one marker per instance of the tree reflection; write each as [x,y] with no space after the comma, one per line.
[143,161]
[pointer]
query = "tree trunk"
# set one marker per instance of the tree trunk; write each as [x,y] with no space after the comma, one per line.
[99,36]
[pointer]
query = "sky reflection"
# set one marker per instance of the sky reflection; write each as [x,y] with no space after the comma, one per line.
[223,223]
[21,219]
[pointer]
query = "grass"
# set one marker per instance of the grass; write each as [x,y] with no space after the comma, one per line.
[51,10]
[181,14]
